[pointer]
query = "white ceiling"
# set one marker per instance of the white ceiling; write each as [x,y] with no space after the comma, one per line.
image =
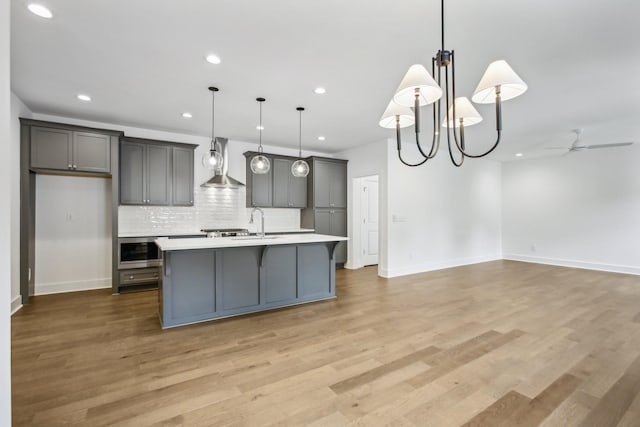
[143,63]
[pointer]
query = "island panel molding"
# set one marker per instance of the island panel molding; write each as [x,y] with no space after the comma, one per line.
[213,278]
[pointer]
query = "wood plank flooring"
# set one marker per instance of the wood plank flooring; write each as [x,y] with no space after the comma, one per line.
[494,344]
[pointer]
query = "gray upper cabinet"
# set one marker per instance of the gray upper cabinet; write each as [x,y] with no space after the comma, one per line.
[330,184]
[155,173]
[133,184]
[288,191]
[158,175]
[71,151]
[182,177]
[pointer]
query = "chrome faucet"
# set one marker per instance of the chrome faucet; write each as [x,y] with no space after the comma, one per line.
[261,234]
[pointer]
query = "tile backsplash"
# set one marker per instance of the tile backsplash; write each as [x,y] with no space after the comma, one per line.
[213,208]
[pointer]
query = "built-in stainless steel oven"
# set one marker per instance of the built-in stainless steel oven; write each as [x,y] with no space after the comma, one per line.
[138,252]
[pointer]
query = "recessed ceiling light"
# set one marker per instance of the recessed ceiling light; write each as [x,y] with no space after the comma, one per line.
[321,138]
[519,154]
[83,97]
[40,10]
[187,115]
[213,59]
[320,90]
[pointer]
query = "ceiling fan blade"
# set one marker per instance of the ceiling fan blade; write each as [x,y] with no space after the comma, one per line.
[617,144]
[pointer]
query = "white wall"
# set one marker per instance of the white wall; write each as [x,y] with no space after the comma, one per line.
[366,160]
[73,234]
[441,216]
[580,210]
[18,109]
[5,216]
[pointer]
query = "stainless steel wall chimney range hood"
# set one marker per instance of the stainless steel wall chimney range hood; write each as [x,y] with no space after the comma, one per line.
[220,177]
[217,158]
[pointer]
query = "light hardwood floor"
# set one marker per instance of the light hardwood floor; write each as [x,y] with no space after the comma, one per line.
[495,344]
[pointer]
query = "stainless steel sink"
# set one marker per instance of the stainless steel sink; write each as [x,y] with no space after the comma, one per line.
[255,238]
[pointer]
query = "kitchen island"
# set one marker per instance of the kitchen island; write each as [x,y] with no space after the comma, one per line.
[211,278]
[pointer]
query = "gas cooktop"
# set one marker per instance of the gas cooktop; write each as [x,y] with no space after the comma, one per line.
[225,232]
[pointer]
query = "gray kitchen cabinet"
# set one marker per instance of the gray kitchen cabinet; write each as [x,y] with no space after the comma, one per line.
[314,272]
[155,173]
[259,186]
[182,177]
[288,191]
[132,173]
[330,184]
[280,273]
[326,210]
[334,223]
[158,173]
[71,151]
[238,277]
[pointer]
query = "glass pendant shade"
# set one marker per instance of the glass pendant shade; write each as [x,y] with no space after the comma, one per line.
[300,168]
[388,119]
[465,111]
[212,159]
[260,164]
[498,73]
[417,78]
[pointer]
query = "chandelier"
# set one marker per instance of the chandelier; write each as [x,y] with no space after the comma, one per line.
[419,88]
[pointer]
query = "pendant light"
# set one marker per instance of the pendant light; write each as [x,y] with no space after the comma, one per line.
[260,164]
[213,159]
[418,88]
[300,168]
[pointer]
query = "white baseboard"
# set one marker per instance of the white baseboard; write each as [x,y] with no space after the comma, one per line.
[423,268]
[16,304]
[612,268]
[79,285]
[351,266]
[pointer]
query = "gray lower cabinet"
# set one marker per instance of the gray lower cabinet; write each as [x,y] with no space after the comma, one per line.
[281,273]
[155,173]
[238,278]
[204,284]
[334,223]
[70,151]
[288,191]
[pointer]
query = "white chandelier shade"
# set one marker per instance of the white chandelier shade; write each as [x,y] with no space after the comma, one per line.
[388,119]
[498,74]
[465,111]
[417,78]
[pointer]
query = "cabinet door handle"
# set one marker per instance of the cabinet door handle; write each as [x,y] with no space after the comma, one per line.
[68,166]
[75,167]
[131,277]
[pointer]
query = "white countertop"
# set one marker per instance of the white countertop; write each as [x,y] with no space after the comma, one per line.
[233,242]
[162,233]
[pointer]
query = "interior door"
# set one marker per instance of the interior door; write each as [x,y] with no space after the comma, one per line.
[369,221]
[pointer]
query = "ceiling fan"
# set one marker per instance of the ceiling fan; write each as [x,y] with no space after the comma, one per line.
[578,145]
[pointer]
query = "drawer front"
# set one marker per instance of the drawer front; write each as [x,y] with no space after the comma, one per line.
[139,275]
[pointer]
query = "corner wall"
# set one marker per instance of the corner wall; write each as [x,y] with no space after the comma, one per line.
[580,210]
[440,216]
[366,160]
[5,214]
